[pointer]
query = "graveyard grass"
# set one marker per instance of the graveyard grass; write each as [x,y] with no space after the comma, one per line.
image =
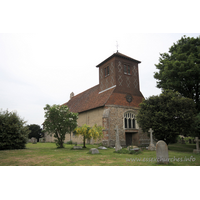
[47,154]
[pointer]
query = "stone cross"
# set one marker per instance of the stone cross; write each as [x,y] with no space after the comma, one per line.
[151,145]
[117,142]
[197,145]
[162,152]
[151,138]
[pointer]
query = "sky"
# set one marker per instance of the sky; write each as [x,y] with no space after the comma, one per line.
[44,56]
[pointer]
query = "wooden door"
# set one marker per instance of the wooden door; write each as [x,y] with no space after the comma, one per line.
[128,139]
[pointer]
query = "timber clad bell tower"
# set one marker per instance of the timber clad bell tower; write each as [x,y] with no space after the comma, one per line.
[119,71]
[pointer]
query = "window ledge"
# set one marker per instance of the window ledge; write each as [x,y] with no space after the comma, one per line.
[131,129]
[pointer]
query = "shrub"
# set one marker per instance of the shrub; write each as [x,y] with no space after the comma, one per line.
[13,133]
[69,142]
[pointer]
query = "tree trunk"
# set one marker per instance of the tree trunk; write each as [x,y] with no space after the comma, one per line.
[84,142]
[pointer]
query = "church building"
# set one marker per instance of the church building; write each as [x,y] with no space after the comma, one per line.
[113,102]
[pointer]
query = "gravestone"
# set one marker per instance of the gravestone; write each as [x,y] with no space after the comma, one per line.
[77,147]
[117,142]
[190,141]
[197,150]
[34,140]
[162,152]
[151,145]
[42,140]
[102,147]
[131,147]
[94,151]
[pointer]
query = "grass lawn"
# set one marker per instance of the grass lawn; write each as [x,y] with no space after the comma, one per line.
[46,154]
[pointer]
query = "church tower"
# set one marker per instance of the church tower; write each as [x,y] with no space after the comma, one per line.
[121,72]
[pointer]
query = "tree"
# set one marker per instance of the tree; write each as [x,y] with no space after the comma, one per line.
[59,121]
[179,70]
[36,131]
[13,132]
[95,132]
[168,114]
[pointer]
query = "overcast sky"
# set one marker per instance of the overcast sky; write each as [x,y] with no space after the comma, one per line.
[44,56]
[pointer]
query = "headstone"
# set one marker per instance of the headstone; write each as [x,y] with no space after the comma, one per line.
[77,147]
[117,142]
[151,145]
[162,152]
[197,145]
[135,149]
[102,147]
[190,141]
[94,151]
[41,140]
[34,140]
[131,147]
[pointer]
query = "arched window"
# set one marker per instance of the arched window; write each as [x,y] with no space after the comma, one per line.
[129,120]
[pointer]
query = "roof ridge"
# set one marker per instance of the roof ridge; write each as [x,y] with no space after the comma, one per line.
[118,55]
[75,96]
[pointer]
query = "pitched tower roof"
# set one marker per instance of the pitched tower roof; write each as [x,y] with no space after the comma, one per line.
[120,55]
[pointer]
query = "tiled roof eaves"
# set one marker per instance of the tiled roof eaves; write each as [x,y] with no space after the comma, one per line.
[120,56]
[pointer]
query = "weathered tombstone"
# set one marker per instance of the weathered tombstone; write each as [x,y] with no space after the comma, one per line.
[34,140]
[41,140]
[151,145]
[94,151]
[162,152]
[117,142]
[197,145]
[102,147]
[131,147]
[77,147]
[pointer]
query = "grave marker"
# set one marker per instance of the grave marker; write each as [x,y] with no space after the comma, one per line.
[94,151]
[197,145]
[151,145]
[162,152]
[117,142]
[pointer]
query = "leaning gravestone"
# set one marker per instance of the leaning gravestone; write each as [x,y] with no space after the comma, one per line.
[94,151]
[162,152]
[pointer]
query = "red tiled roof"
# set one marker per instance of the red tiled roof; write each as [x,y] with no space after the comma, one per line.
[91,99]
[88,100]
